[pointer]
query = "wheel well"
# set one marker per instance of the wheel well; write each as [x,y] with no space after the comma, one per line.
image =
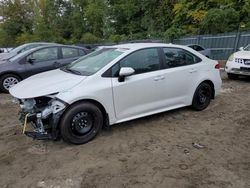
[100,106]
[5,73]
[212,86]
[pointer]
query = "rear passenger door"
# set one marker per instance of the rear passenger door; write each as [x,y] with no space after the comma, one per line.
[69,55]
[181,71]
[42,60]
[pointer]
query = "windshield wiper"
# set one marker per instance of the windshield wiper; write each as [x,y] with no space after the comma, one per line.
[72,71]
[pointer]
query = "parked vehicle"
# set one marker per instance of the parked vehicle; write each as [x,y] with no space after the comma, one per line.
[93,47]
[239,63]
[113,85]
[200,49]
[36,60]
[5,50]
[22,48]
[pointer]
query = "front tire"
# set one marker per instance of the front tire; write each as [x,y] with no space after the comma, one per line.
[7,81]
[202,96]
[81,123]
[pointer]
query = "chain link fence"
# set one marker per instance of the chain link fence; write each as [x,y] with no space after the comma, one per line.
[221,45]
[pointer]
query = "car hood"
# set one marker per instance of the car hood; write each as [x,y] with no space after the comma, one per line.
[45,84]
[2,61]
[242,54]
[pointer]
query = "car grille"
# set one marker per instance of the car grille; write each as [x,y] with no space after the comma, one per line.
[242,61]
[242,71]
[245,69]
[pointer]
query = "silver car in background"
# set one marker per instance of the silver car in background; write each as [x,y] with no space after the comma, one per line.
[200,49]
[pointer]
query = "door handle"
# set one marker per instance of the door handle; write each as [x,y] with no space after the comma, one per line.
[157,78]
[162,77]
[192,71]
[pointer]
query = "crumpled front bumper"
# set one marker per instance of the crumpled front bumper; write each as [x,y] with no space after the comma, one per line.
[43,121]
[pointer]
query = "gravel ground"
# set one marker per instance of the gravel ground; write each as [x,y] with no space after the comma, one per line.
[155,151]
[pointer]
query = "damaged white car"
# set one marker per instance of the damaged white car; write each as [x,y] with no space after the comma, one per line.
[113,85]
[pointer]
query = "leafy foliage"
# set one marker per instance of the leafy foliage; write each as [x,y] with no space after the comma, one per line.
[94,21]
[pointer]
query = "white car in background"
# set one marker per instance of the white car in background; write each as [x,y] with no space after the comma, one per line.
[113,85]
[239,63]
[5,50]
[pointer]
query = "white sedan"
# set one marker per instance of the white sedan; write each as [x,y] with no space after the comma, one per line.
[113,85]
[239,63]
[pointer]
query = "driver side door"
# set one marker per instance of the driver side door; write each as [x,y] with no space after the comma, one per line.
[43,60]
[140,93]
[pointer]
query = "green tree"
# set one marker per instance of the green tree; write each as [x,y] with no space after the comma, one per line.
[219,21]
[74,21]
[89,38]
[16,18]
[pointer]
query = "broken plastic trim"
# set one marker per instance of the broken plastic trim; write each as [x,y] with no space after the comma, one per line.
[44,119]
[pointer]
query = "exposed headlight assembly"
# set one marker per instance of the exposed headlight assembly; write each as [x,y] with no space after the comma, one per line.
[54,107]
[27,104]
[57,106]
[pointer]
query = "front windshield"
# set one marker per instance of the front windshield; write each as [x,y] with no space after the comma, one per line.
[17,56]
[17,49]
[247,48]
[94,61]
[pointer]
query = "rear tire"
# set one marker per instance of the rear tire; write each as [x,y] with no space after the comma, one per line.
[202,96]
[232,76]
[7,81]
[81,123]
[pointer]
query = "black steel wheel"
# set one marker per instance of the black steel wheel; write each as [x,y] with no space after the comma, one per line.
[202,96]
[81,123]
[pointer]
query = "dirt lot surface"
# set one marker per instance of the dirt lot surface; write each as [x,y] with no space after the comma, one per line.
[155,151]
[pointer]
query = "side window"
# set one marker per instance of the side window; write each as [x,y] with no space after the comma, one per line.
[81,52]
[193,47]
[199,48]
[142,61]
[176,57]
[69,52]
[46,54]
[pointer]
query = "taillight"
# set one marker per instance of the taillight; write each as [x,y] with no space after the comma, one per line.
[217,66]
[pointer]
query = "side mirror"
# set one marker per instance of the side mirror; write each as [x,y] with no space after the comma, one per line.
[31,60]
[241,49]
[124,72]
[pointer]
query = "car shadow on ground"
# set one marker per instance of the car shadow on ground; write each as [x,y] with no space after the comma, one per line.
[243,78]
[146,121]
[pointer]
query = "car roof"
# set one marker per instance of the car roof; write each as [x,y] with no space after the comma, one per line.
[42,47]
[134,46]
[41,43]
[32,43]
[193,45]
[56,45]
